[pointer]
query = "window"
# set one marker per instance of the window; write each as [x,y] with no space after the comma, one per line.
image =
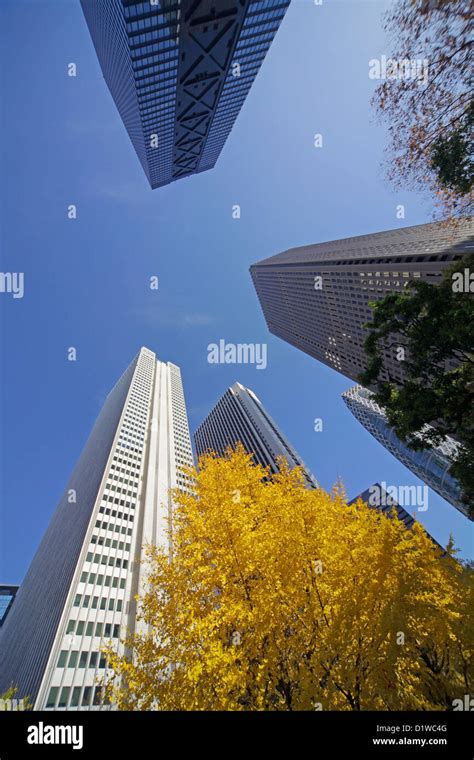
[98,629]
[86,697]
[108,630]
[93,659]
[103,603]
[77,600]
[70,626]
[53,695]
[73,658]
[89,629]
[83,660]
[75,696]
[80,627]
[64,696]
[62,658]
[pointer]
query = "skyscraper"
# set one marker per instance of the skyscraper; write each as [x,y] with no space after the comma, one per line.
[377,498]
[239,416]
[80,587]
[430,465]
[179,72]
[317,297]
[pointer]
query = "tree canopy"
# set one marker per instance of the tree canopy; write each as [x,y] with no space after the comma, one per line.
[429,118]
[280,597]
[434,325]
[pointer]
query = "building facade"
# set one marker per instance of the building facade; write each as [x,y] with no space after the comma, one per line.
[317,297]
[79,590]
[377,498]
[179,72]
[7,596]
[430,465]
[239,416]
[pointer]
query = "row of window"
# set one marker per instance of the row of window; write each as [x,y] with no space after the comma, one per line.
[83,601]
[105,560]
[103,601]
[88,694]
[114,513]
[80,627]
[85,660]
[106,580]
[114,544]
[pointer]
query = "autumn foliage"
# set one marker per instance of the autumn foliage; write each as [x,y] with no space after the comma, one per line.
[430,123]
[279,597]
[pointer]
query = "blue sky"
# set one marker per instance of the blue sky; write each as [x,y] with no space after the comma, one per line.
[87,280]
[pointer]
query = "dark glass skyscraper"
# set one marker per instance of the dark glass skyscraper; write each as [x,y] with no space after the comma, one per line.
[377,498]
[317,297]
[430,465]
[239,417]
[179,72]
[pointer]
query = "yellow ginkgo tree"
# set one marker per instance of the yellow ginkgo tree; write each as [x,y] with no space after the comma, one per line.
[279,597]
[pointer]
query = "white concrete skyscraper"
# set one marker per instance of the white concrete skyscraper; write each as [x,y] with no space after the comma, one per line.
[80,587]
[239,416]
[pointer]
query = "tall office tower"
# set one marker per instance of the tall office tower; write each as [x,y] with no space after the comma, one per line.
[377,498]
[179,72]
[80,588]
[239,416]
[317,297]
[430,465]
